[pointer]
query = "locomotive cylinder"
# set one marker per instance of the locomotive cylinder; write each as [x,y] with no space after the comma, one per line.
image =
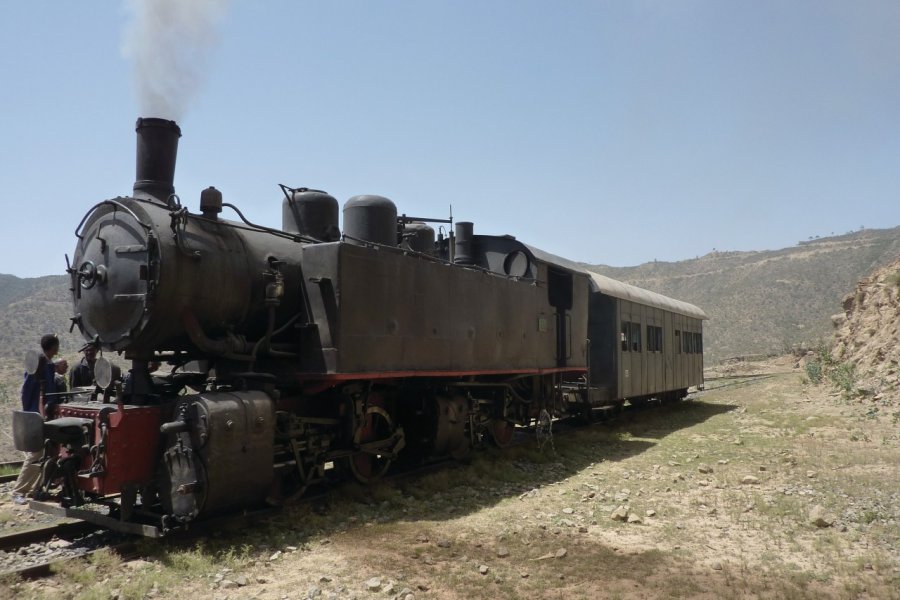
[157,150]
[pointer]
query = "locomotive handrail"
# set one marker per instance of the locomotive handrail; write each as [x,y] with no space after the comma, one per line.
[278,232]
[405,219]
[256,228]
[117,205]
[437,259]
[400,250]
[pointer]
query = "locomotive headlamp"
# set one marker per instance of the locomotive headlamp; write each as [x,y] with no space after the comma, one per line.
[103,373]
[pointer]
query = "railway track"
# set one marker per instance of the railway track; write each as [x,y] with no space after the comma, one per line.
[64,531]
[9,471]
[33,553]
[724,381]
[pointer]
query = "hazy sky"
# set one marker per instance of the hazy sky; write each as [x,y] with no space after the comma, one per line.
[608,132]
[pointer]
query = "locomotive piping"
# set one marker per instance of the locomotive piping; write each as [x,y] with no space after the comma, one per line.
[266,342]
[232,348]
[228,348]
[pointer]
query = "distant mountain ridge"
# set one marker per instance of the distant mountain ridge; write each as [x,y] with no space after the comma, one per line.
[758,301]
[762,302]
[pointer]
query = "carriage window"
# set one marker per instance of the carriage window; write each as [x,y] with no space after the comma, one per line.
[691,340]
[678,341]
[630,336]
[654,338]
[698,343]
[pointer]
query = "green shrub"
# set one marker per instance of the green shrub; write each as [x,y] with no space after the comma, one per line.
[814,371]
[843,377]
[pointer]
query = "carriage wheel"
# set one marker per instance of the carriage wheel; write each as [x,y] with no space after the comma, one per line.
[502,432]
[366,467]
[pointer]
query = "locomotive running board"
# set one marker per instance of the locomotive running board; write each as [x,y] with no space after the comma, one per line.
[97,519]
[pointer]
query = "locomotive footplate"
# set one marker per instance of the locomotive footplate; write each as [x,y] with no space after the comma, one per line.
[148,530]
[97,518]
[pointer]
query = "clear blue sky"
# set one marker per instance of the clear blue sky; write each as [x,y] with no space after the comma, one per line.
[608,132]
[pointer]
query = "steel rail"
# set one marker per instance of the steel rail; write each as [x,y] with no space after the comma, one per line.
[126,549]
[17,539]
[14,465]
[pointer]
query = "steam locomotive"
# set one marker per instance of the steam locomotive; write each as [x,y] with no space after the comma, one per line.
[296,352]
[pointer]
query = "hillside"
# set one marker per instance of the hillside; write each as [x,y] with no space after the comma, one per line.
[30,308]
[767,301]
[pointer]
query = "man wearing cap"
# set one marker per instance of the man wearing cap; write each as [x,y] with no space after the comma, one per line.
[83,373]
[44,378]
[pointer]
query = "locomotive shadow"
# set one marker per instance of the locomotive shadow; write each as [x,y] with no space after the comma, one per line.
[459,489]
[494,475]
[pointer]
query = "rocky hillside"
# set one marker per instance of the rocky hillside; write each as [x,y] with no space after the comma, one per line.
[29,308]
[767,302]
[868,331]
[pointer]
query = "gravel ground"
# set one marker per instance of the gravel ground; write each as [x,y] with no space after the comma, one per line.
[773,489]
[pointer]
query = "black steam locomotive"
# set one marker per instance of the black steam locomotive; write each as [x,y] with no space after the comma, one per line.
[296,352]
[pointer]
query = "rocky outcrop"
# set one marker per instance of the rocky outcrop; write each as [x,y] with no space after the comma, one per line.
[868,333]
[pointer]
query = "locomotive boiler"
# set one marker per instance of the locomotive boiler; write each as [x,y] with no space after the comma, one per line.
[302,352]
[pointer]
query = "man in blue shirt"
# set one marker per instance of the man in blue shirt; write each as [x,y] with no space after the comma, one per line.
[31,398]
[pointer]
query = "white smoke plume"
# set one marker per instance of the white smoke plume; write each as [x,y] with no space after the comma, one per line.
[168,43]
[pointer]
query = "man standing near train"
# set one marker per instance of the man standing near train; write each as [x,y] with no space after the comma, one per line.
[82,375]
[31,402]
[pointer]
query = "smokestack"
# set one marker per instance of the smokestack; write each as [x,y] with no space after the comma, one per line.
[157,148]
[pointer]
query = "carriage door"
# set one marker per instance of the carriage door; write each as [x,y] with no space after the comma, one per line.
[559,291]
